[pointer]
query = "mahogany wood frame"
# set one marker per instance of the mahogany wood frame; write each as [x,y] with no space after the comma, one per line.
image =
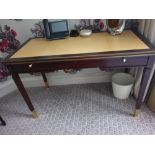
[133,58]
[2,121]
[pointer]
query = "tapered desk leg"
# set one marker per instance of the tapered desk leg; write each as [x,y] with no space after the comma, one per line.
[3,122]
[45,80]
[23,92]
[144,82]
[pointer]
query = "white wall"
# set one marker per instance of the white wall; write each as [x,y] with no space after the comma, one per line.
[23,27]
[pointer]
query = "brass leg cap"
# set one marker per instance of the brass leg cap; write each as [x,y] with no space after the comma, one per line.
[137,112]
[46,85]
[34,114]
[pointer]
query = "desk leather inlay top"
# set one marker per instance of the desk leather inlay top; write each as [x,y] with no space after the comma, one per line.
[98,42]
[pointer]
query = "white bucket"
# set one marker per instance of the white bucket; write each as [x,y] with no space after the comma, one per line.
[122,84]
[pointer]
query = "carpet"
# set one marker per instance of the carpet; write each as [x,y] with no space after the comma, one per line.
[86,109]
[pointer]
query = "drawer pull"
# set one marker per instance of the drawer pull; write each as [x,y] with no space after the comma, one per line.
[30,65]
[124,60]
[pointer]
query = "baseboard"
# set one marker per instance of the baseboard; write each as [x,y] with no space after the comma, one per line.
[58,78]
[62,78]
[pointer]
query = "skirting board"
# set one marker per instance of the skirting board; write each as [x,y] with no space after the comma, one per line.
[57,78]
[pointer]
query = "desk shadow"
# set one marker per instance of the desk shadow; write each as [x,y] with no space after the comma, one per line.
[100,88]
[16,113]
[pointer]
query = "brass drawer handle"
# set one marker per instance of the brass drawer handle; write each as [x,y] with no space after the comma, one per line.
[124,60]
[30,65]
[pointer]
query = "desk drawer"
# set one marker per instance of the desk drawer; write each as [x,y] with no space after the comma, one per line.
[113,62]
[125,62]
[78,64]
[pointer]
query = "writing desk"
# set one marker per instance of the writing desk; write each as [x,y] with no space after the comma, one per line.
[99,50]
